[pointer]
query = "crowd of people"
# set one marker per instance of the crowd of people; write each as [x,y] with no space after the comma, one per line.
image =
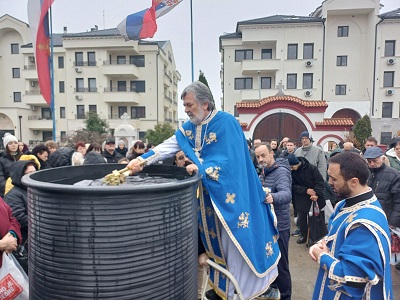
[245,198]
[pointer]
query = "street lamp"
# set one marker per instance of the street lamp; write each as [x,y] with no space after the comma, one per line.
[20,128]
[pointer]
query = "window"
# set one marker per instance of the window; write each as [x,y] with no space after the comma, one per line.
[61,62]
[79,85]
[291,81]
[390,48]
[93,109]
[46,113]
[91,57]
[92,85]
[243,83]
[341,60]
[235,111]
[308,50]
[138,86]
[79,59]
[63,134]
[122,110]
[343,31]
[340,89]
[243,54]
[265,82]
[386,137]
[307,80]
[137,60]
[121,86]
[121,60]
[14,48]
[61,87]
[62,112]
[292,51]
[387,108]
[16,73]
[266,54]
[17,97]
[80,111]
[388,79]
[138,112]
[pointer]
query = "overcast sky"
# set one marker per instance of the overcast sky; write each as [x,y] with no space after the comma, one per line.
[211,19]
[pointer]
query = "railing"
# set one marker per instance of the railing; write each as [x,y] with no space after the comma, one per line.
[118,62]
[85,63]
[29,67]
[86,90]
[119,89]
[168,98]
[33,92]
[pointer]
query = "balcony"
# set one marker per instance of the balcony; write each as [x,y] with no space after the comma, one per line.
[167,80]
[39,123]
[254,95]
[29,72]
[34,97]
[86,90]
[116,94]
[253,66]
[114,68]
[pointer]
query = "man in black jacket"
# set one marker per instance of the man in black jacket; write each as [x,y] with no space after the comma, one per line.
[307,186]
[385,182]
[109,152]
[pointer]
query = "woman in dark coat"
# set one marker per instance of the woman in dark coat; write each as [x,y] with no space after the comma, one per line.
[17,199]
[10,156]
[93,155]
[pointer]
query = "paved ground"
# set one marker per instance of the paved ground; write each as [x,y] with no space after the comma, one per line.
[304,272]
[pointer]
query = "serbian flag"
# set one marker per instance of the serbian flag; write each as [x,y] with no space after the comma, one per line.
[143,24]
[39,24]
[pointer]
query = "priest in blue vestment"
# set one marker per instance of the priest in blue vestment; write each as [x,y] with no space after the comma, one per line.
[238,228]
[354,257]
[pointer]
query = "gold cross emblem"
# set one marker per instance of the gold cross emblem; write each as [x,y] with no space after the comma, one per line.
[230,198]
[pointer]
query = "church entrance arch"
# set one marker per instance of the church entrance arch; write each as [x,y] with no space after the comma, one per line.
[279,125]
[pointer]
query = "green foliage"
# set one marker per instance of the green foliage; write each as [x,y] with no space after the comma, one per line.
[203,79]
[96,131]
[160,133]
[94,123]
[362,130]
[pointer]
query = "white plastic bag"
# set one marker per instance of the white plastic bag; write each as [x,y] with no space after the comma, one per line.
[328,210]
[13,280]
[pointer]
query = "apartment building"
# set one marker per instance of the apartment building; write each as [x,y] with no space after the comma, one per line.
[319,73]
[93,71]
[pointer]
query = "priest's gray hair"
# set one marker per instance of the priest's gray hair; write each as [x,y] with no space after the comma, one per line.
[201,93]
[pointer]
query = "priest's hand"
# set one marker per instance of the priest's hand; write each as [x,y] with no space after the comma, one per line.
[135,166]
[317,249]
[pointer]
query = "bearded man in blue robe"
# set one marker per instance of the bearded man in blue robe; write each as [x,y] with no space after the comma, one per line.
[238,228]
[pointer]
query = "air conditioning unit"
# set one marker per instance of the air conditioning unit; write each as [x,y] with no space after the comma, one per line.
[78,97]
[31,59]
[391,61]
[389,92]
[309,63]
[308,93]
[33,83]
[78,70]
[33,107]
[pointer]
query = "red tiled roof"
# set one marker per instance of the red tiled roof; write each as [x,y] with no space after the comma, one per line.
[259,103]
[335,122]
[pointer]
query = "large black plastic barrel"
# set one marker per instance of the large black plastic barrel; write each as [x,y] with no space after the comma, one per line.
[107,242]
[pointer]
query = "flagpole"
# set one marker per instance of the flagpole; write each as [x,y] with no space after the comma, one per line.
[191,37]
[52,105]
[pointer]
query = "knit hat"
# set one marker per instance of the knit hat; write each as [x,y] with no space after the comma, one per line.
[305,134]
[121,142]
[293,160]
[9,138]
